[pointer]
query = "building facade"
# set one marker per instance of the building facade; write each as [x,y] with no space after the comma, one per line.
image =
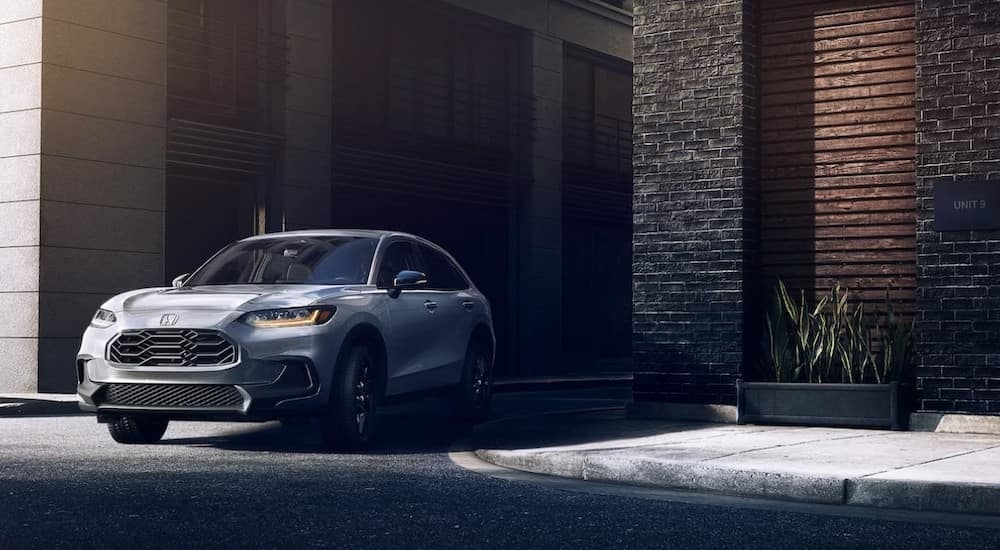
[815,142]
[139,136]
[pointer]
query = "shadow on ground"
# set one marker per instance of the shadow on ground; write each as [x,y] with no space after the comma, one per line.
[399,433]
[557,429]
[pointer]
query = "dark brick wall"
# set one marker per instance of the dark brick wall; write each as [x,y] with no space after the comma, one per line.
[693,111]
[958,296]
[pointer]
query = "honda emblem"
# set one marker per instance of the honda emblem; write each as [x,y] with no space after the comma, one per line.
[169,320]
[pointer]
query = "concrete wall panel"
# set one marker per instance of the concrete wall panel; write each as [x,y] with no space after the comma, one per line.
[20,10]
[18,314]
[20,42]
[308,94]
[134,101]
[19,269]
[67,314]
[144,19]
[101,139]
[97,271]
[104,52]
[309,56]
[20,87]
[579,26]
[101,228]
[307,131]
[19,179]
[19,370]
[20,133]
[307,168]
[57,364]
[307,207]
[309,19]
[101,183]
[20,224]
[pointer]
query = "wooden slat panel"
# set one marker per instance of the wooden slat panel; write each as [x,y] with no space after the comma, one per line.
[838,145]
[834,183]
[843,169]
[812,35]
[775,198]
[839,158]
[816,17]
[796,74]
[810,57]
[829,33]
[858,107]
[845,131]
[839,46]
[778,235]
[822,82]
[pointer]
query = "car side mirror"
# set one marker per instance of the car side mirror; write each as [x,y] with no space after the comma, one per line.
[179,280]
[407,280]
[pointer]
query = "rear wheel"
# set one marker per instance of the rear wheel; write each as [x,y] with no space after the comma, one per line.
[138,429]
[349,423]
[472,397]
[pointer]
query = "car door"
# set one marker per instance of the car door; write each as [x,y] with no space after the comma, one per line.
[445,291]
[407,320]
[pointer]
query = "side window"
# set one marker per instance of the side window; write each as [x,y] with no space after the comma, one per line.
[398,257]
[441,274]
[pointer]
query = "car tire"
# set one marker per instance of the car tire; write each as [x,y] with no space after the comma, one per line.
[471,398]
[132,430]
[349,423]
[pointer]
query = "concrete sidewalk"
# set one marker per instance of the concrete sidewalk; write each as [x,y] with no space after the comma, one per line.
[909,470]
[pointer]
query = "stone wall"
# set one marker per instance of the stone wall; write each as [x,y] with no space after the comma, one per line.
[692,205]
[958,118]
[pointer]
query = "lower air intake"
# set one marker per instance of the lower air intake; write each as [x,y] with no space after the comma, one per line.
[172,396]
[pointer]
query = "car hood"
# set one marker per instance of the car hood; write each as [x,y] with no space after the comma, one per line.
[225,297]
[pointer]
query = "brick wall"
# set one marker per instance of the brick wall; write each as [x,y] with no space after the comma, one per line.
[958,114]
[694,104]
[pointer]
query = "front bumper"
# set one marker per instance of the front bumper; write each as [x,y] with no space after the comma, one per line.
[294,390]
[278,373]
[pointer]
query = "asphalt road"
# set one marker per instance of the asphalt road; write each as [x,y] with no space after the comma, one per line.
[64,483]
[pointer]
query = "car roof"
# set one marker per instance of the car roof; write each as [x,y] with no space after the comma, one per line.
[372,233]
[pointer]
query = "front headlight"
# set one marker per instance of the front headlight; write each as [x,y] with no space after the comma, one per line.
[103,319]
[296,317]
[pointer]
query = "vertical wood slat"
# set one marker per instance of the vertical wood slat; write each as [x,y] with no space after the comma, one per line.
[837,135]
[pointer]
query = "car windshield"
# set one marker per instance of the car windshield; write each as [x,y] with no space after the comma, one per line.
[290,260]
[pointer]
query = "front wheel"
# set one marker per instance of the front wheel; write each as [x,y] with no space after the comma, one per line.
[472,396]
[133,430]
[349,423]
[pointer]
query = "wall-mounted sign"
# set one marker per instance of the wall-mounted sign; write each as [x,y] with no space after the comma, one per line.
[965,206]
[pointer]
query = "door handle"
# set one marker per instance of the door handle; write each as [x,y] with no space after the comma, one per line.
[430,306]
[468,305]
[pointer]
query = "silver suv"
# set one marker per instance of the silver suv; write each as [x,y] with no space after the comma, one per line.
[296,324]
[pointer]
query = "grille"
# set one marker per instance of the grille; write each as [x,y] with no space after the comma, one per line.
[172,347]
[172,395]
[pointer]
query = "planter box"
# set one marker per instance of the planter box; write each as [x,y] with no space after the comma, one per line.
[846,405]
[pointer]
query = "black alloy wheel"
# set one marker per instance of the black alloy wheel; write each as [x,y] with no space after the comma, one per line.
[350,420]
[472,397]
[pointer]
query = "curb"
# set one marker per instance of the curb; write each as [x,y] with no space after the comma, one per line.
[968,498]
[24,407]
